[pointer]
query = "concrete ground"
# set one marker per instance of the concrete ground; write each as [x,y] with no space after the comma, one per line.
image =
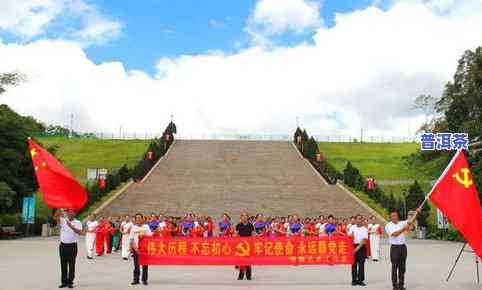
[33,263]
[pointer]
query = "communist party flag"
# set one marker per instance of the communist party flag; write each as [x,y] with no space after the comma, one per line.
[456,196]
[59,188]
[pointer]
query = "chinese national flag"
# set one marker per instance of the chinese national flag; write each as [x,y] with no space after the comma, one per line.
[58,186]
[456,196]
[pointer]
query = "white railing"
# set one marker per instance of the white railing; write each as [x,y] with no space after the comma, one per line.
[260,137]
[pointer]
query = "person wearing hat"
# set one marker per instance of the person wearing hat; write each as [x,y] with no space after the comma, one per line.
[70,230]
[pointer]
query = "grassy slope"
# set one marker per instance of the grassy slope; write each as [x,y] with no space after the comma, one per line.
[385,161]
[382,160]
[79,154]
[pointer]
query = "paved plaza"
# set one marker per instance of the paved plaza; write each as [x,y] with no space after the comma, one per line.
[33,263]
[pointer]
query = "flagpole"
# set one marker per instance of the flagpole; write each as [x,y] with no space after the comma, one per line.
[443,174]
[427,197]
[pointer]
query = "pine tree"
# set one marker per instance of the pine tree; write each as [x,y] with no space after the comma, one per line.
[311,149]
[352,177]
[304,136]
[414,199]
[298,132]
[392,203]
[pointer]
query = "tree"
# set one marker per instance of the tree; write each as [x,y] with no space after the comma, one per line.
[400,207]
[9,79]
[298,132]
[352,177]
[15,165]
[304,136]
[414,199]
[7,197]
[425,103]
[461,102]
[311,149]
[476,169]
[391,203]
[124,173]
[460,110]
[171,128]
[55,130]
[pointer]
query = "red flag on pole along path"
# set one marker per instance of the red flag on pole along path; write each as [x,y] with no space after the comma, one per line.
[455,195]
[59,188]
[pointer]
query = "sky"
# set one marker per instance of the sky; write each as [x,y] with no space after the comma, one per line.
[233,67]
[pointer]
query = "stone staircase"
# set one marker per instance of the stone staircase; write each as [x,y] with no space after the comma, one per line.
[210,177]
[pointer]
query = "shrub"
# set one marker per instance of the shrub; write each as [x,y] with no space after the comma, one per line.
[7,197]
[414,199]
[124,173]
[11,219]
[352,177]
[37,227]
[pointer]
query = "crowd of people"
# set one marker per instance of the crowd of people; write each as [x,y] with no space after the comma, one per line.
[105,235]
[111,234]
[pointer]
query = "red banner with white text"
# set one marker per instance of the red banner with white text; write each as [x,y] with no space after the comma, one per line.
[333,250]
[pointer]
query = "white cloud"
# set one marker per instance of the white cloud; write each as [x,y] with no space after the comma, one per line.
[96,28]
[363,72]
[30,18]
[271,17]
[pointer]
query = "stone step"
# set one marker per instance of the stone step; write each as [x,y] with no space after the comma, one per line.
[211,177]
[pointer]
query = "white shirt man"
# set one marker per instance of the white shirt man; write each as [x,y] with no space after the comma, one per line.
[392,227]
[395,230]
[125,229]
[70,229]
[90,225]
[374,231]
[67,234]
[138,229]
[360,236]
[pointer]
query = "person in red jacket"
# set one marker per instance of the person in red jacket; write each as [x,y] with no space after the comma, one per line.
[168,230]
[209,225]
[197,230]
[309,229]
[102,237]
[282,228]
[225,227]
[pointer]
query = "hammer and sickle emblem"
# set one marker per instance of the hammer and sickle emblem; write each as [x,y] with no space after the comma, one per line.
[242,249]
[33,152]
[464,177]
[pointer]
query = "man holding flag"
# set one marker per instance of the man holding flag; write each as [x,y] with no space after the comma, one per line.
[60,190]
[70,229]
[456,196]
[395,230]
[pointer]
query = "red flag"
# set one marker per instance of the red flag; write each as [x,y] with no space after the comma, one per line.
[456,196]
[58,186]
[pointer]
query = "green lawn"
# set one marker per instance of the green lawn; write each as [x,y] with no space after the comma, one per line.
[382,160]
[78,154]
